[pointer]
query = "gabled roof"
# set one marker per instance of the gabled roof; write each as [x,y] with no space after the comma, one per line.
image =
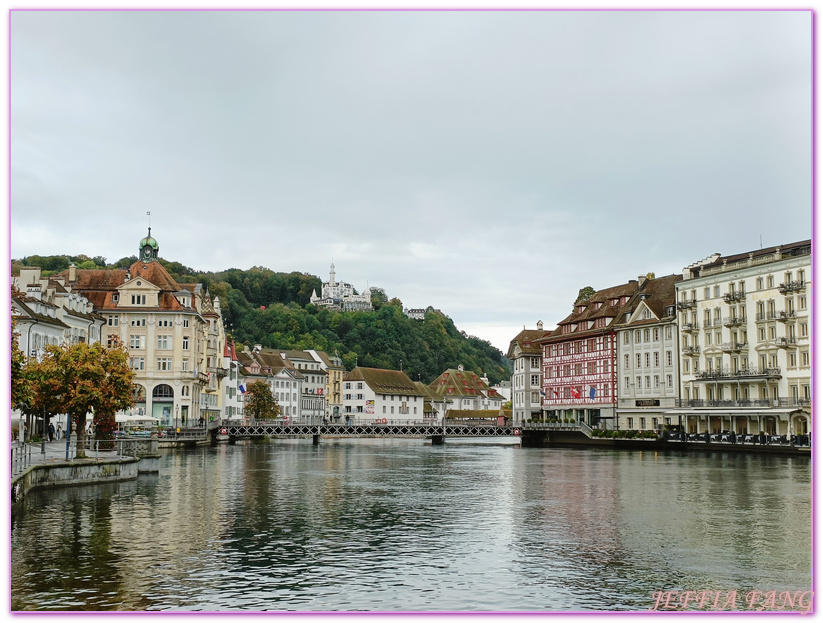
[658,294]
[597,306]
[524,341]
[385,381]
[462,383]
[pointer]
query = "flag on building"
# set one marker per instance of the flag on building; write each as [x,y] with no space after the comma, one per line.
[575,393]
[242,389]
[556,395]
[592,391]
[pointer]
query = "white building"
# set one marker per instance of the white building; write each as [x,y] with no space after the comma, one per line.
[744,324]
[273,368]
[341,295]
[526,383]
[371,394]
[648,357]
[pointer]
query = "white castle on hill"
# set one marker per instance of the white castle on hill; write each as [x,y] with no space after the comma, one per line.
[341,295]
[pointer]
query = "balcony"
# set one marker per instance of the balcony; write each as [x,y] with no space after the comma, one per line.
[687,304]
[734,347]
[729,403]
[218,372]
[791,286]
[691,350]
[745,373]
[785,316]
[733,321]
[785,342]
[733,297]
[691,327]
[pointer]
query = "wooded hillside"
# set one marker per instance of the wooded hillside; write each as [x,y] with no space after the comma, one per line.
[272,309]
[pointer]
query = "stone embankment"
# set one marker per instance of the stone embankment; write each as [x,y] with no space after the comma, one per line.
[36,466]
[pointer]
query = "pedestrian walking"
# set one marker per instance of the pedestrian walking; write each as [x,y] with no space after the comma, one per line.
[59,430]
[51,432]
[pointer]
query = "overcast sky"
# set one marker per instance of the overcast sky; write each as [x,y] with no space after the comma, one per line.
[487,163]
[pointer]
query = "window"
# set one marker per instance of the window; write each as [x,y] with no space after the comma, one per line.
[669,380]
[656,360]
[647,360]
[668,357]
[185,323]
[163,364]
[628,383]
[164,341]
[626,337]
[626,361]
[137,341]
[165,322]
[138,299]
[138,363]
[648,383]
[638,360]
[646,335]
[535,379]
[656,335]
[642,422]
[685,365]
[113,321]
[185,365]
[707,292]
[630,422]
[638,383]
[759,283]
[804,358]
[804,329]
[637,337]
[656,381]
[770,281]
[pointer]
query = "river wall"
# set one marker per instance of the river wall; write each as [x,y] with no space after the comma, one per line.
[556,439]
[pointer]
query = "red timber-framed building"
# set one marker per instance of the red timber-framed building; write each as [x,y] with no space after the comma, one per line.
[580,359]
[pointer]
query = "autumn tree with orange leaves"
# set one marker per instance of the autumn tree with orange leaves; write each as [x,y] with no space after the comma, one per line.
[81,379]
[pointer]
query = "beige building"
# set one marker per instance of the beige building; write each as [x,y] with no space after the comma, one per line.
[744,323]
[174,334]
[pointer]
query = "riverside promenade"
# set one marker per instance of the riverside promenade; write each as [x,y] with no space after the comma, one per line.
[37,465]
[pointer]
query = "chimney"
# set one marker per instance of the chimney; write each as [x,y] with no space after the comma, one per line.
[460,368]
[539,325]
[641,279]
[72,273]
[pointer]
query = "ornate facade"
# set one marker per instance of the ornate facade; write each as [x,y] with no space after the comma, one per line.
[341,295]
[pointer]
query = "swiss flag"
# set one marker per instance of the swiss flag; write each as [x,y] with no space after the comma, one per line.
[575,393]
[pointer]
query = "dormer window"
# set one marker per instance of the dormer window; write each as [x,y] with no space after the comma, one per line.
[138,299]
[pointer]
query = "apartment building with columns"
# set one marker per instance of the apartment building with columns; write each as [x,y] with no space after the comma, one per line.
[745,339]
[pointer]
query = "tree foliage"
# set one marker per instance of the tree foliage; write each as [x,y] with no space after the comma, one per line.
[584,295]
[260,403]
[82,378]
[261,306]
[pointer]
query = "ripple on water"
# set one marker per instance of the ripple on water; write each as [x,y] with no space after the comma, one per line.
[399,525]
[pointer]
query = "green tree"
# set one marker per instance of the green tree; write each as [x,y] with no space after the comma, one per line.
[84,378]
[584,295]
[260,403]
[21,387]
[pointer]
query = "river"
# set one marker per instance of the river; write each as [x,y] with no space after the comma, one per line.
[399,525]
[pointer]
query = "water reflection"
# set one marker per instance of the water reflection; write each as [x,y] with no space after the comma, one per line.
[398,525]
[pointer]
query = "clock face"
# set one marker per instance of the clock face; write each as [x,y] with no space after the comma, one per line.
[146,252]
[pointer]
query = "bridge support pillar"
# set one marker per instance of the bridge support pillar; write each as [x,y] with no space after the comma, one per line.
[315,440]
[438,440]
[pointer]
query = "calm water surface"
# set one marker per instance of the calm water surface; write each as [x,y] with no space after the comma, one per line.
[398,525]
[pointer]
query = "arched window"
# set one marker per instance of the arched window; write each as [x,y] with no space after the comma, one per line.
[162,393]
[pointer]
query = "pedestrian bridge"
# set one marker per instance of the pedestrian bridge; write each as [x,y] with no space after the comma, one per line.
[437,431]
